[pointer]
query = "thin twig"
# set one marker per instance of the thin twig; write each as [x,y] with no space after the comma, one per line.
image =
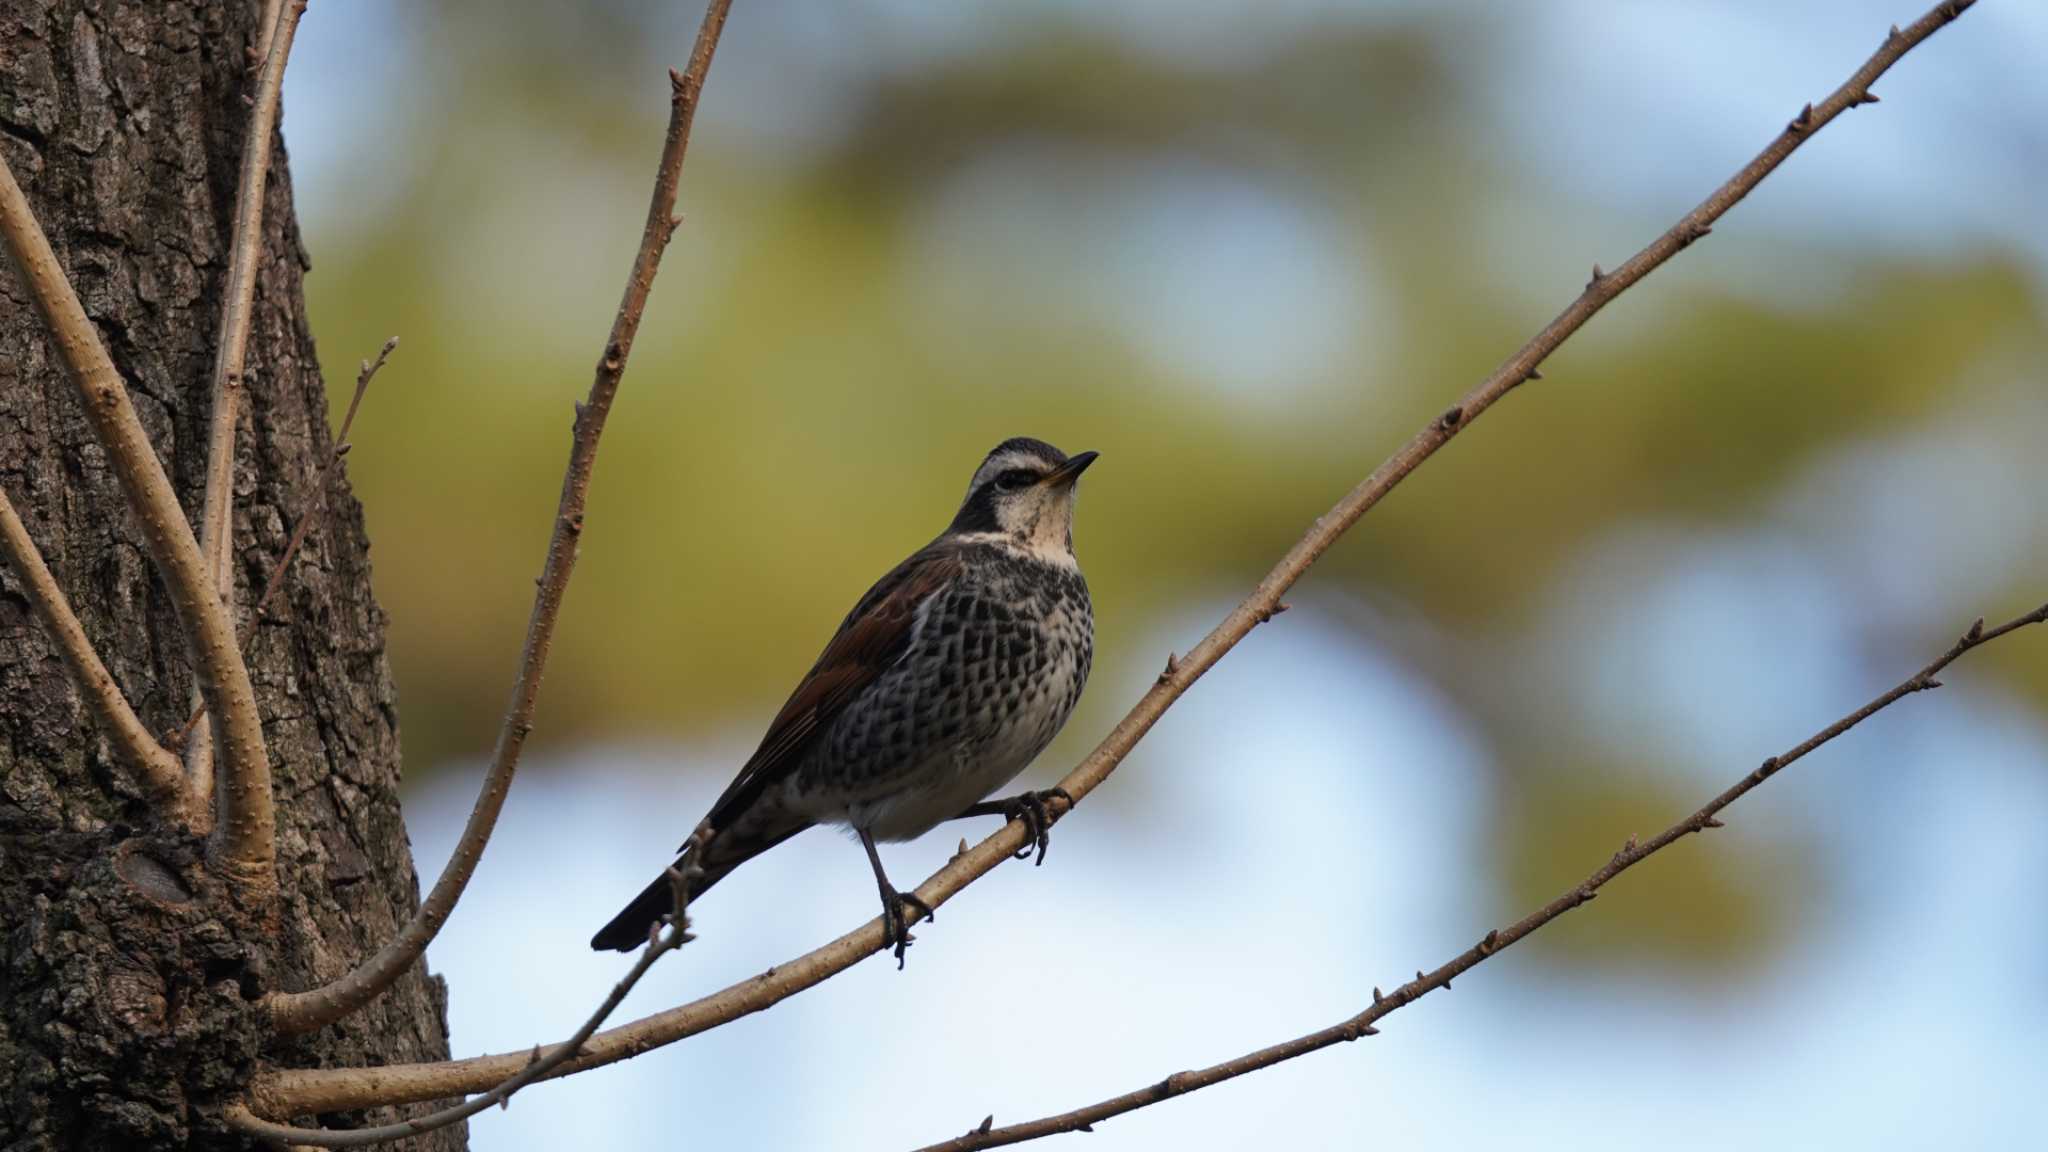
[158,770]
[1362,1025]
[208,630]
[275,579]
[334,1089]
[538,1064]
[216,518]
[364,375]
[303,1011]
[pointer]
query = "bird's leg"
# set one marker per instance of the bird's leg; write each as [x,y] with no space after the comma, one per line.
[1028,807]
[895,929]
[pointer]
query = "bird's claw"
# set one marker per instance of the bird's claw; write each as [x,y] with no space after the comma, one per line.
[895,929]
[1029,807]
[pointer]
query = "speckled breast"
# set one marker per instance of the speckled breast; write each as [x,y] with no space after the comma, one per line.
[996,663]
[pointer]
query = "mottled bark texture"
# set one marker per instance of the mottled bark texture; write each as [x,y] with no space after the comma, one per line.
[126,982]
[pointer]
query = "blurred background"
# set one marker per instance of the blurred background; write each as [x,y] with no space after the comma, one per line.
[1243,251]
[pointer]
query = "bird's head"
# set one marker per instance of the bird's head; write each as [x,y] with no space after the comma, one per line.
[1024,490]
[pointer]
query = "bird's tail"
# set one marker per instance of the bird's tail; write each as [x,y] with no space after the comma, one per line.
[628,930]
[724,852]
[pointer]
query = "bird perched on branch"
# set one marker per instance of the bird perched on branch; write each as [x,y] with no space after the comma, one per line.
[946,680]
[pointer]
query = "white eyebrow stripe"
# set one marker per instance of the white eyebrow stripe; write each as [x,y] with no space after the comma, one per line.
[997,465]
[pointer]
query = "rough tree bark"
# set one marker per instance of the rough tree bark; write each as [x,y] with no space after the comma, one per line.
[126,981]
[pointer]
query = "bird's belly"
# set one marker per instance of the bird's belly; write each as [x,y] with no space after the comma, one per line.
[958,740]
[958,776]
[953,781]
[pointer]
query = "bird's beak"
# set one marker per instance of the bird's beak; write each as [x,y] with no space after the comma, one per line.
[1065,475]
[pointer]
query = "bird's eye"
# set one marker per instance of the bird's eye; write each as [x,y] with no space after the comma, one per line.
[1016,478]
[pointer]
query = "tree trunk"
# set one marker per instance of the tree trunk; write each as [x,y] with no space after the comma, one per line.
[126,980]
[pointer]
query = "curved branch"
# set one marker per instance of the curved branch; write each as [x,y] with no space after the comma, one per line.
[208,630]
[537,1064]
[304,1011]
[1361,1025]
[216,518]
[292,1092]
[157,768]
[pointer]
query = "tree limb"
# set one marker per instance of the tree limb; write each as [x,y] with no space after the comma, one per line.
[266,25]
[304,1011]
[216,516]
[159,771]
[1361,1025]
[299,1091]
[538,1064]
[246,856]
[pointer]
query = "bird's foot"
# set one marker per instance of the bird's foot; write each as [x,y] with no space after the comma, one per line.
[1029,807]
[896,929]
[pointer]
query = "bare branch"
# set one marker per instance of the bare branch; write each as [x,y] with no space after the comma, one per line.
[1362,1025]
[246,856]
[216,518]
[238,301]
[538,1064]
[364,375]
[266,24]
[303,1011]
[293,1092]
[157,768]
[202,787]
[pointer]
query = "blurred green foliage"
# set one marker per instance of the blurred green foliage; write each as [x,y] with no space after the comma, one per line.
[1700,909]
[805,404]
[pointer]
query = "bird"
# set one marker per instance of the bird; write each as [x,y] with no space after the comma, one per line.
[943,683]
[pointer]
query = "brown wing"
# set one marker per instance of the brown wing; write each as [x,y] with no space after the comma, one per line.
[872,637]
